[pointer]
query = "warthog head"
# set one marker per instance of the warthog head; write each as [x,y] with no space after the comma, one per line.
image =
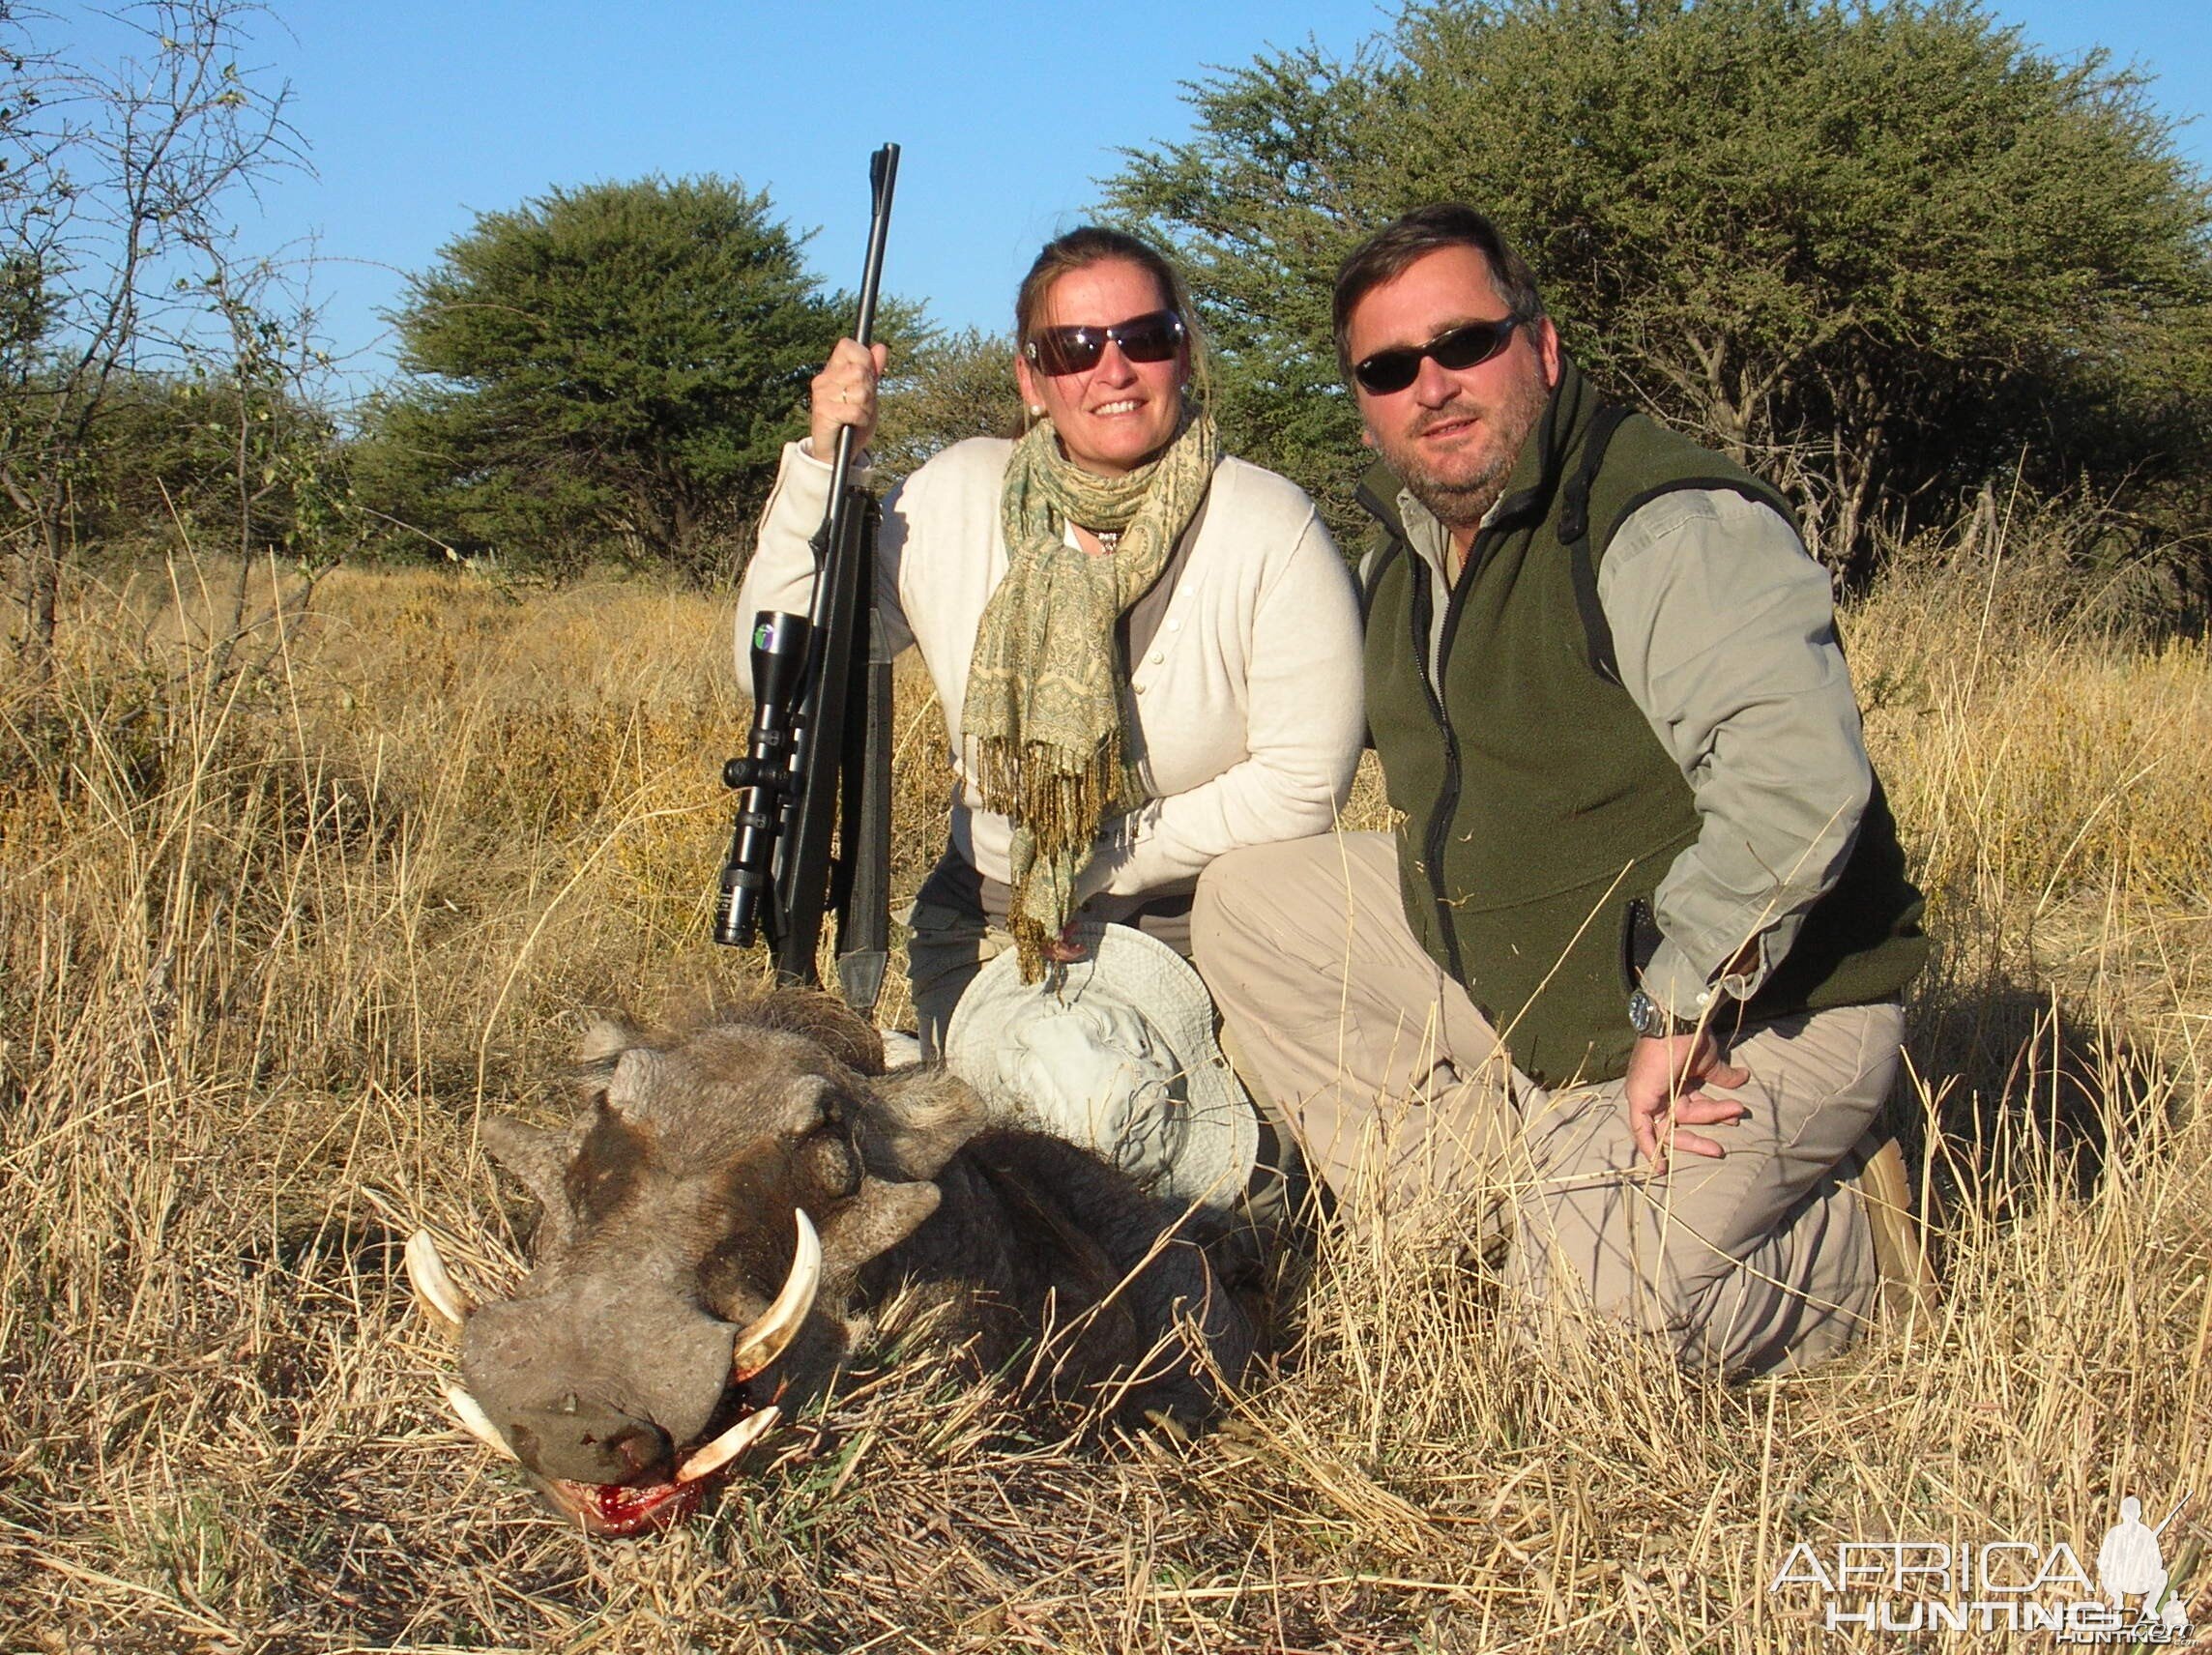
[703,1218]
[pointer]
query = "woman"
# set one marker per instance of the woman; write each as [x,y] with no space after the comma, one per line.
[1147,654]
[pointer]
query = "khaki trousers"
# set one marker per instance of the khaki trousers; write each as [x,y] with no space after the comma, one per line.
[1408,1106]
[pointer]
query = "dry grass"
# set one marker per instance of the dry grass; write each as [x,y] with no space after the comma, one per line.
[269,946]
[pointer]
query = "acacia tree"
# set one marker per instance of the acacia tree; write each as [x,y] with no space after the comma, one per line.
[619,359]
[115,252]
[941,391]
[1877,251]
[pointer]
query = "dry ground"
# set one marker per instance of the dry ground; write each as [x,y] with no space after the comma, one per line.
[270,944]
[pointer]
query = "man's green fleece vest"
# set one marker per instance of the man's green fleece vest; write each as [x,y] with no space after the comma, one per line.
[1539,804]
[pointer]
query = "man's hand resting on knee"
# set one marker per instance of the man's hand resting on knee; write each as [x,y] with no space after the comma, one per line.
[1664,1092]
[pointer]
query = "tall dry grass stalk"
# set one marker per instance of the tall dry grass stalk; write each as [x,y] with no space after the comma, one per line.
[270,943]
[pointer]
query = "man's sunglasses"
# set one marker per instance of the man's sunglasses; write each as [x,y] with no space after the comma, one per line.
[1075,350]
[1393,369]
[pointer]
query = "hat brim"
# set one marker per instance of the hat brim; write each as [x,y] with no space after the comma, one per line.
[1220,1141]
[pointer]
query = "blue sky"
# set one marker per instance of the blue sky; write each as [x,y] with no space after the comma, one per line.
[420,113]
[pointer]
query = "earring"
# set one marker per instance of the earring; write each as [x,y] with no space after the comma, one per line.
[1036,411]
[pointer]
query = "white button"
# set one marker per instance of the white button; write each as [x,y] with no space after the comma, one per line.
[1157,657]
[1175,626]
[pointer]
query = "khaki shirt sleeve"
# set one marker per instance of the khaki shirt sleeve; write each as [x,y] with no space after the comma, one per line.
[1725,634]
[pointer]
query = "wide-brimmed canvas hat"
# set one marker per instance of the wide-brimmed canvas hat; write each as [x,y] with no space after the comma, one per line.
[1114,1052]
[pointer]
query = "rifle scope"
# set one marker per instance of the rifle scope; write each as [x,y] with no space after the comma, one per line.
[765,774]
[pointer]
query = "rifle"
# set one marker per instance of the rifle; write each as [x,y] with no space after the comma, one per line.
[809,764]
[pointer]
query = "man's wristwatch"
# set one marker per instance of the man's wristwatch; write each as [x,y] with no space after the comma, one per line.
[1653,1021]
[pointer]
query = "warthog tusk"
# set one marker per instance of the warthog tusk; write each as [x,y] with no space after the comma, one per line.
[432,1285]
[765,1340]
[727,1446]
[477,1422]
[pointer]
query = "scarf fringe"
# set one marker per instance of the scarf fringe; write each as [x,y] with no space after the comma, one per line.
[1057,800]
[1060,797]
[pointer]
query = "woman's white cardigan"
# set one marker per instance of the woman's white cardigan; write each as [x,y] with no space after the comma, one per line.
[1247,702]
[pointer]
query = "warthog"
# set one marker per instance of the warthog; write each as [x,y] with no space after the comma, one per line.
[728,1205]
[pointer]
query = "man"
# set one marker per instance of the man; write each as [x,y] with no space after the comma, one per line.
[1626,980]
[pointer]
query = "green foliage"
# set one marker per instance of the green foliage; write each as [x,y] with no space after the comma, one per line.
[944,390]
[1879,252]
[619,359]
[210,457]
[116,261]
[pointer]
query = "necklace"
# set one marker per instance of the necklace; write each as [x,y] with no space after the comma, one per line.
[1108,540]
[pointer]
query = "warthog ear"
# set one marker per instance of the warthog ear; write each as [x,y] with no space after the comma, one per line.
[607,1039]
[541,1160]
[878,1218]
[633,1081]
[914,1121]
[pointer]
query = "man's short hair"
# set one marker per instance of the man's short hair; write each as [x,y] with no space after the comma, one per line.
[1385,255]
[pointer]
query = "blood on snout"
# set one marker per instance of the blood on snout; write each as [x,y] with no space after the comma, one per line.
[625,1511]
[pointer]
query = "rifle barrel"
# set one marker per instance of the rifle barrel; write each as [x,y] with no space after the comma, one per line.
[883,180]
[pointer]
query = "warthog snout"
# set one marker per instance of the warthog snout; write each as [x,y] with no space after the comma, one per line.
[586,1444]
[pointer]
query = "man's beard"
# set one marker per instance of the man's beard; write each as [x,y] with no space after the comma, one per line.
[1462,502]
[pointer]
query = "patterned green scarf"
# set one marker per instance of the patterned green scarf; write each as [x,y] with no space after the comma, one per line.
[1043,719]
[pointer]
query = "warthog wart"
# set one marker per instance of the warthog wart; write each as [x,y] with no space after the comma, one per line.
[726,1209]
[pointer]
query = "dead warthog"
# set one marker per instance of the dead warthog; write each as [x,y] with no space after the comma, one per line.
[729,1204]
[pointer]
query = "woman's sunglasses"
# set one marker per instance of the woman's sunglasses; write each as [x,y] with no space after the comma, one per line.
[1075,350]
[1393,369]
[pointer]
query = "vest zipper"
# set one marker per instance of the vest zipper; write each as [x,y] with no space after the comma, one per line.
[1447,798]
[1438,831]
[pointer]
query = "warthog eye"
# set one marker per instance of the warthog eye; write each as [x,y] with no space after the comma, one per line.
[830,1163]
